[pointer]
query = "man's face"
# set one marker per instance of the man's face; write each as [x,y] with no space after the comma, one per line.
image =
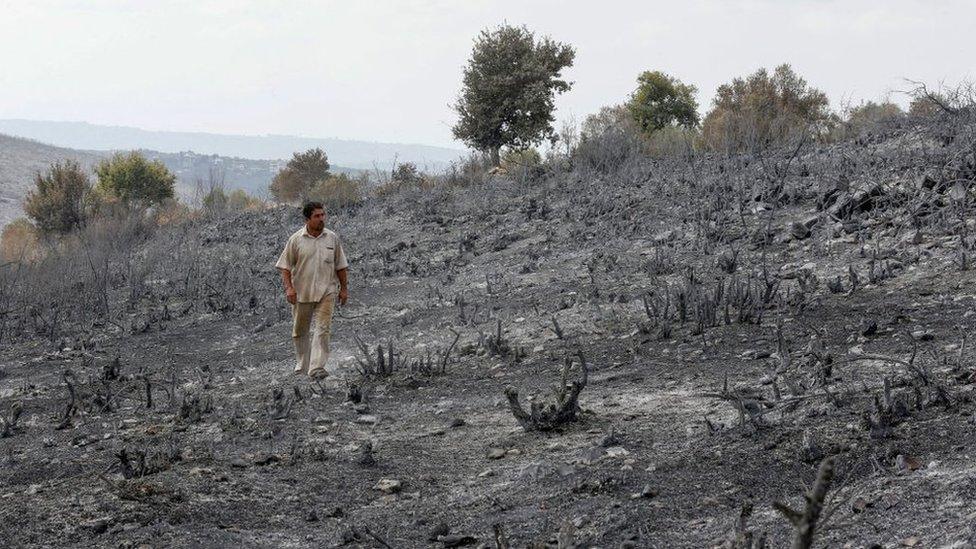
[317,221]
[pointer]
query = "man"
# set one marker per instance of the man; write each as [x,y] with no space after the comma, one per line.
[311,264]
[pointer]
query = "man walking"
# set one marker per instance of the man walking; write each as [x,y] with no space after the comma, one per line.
[311,265]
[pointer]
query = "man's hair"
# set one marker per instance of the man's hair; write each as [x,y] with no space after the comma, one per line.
[310,207]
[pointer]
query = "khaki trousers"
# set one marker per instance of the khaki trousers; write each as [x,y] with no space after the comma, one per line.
[312,350]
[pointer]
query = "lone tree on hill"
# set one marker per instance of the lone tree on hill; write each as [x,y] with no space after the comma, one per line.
[132,179]
[297,179]
[509,88]
[58,203]
[661,101]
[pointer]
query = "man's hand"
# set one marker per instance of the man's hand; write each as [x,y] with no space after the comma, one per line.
[343,296]
[291,295]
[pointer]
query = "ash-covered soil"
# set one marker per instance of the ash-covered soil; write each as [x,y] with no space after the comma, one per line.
[740,322]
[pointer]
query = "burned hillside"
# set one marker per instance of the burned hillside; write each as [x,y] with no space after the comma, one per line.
[610,349]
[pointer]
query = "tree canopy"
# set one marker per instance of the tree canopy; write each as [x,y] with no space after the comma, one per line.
[662,101]
[297,179]
[509,88]
[130,178]
[763,108]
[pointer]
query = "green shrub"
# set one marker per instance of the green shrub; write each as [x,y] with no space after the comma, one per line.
[129,179]
[59,202]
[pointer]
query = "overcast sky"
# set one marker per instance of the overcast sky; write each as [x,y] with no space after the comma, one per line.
[389,70]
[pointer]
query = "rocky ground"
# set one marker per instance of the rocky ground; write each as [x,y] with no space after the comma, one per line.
[731,345]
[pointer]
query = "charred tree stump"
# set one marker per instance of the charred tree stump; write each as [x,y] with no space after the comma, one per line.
[552,416]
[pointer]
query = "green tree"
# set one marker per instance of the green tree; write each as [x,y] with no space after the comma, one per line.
[509,88]
[662,101]
[58,203]
[297,179]
[130,179]
[764,108]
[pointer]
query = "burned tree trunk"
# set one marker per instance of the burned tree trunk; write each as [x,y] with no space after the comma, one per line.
[806,522]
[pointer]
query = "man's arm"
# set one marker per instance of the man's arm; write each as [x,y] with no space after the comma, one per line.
[290,294]
[343,285]
[284,264]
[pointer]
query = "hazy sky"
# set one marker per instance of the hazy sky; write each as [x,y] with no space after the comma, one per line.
[389,70]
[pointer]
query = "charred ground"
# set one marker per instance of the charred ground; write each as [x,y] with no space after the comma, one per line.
[741,318]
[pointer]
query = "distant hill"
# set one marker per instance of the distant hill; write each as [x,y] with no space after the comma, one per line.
[352,154]
[21,158]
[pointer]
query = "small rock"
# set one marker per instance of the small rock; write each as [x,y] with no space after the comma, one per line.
[265,459]
[311,516]
[439,531]
[907,464]
[388,486]
[869,328]
[335,512]
[368,419]
[565,470]
[486,473]
[496,453]
[617,451]
[457,541]
[799,230]
[592,455]
[611,439]
[646,492]
[456,422]
[98,526]
[534,470]
[923,335]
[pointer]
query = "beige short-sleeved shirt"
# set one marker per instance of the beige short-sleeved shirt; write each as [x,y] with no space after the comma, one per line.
[313,262]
